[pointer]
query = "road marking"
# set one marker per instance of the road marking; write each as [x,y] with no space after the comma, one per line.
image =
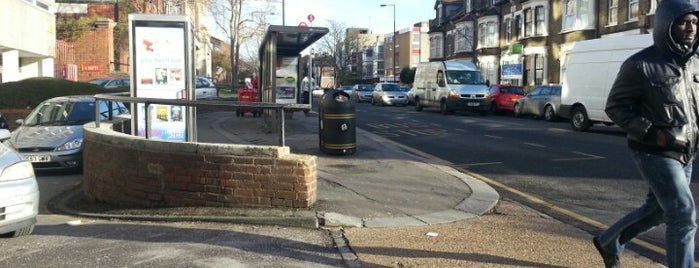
[558,209]
[529,197]
[535,144]
[406,132]
[477,164]
[586,157]
[492,136]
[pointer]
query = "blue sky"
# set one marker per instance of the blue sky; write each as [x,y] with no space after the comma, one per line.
[356,13]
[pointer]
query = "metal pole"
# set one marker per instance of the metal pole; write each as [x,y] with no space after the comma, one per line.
[395,36]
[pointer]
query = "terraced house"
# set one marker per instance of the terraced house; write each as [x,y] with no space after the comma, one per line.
[524,42]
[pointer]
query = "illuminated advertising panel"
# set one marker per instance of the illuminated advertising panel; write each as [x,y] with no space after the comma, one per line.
[160,68]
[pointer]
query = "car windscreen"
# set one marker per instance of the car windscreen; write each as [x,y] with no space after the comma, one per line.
[390,87]
[513,90]
[465,78]
[100,82]
[365,87]
[61,114]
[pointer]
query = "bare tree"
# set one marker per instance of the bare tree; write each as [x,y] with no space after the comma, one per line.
[332,44]
[239,26]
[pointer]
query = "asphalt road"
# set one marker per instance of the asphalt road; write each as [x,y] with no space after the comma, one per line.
[589,174]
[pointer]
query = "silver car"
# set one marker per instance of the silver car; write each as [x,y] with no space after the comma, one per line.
[19,192]
[51,136]
[362,92]
[205,88]
[388,94]
[543,101]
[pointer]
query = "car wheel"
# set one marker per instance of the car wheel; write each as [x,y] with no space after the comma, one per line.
[549,114]
[443,108]
[517,110]
[493,108]
[418,106]
[579,120]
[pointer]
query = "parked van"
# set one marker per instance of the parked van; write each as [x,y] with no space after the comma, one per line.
[450,86]
[589,72]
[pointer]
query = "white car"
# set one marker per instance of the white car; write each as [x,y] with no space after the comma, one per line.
[19,192]
[205,89]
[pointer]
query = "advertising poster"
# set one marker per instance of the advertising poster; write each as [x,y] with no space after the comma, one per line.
[160,66]
[287,79]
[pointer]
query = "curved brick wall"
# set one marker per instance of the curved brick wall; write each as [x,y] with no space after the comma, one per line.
[126,170]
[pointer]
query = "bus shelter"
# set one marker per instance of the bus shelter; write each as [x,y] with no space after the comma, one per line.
[281,69]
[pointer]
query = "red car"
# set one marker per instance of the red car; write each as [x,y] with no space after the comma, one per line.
[503,97]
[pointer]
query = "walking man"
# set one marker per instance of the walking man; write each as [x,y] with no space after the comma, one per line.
[654,99]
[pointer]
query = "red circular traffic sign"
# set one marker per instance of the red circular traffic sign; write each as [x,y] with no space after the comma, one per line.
[303,24]
[311,17]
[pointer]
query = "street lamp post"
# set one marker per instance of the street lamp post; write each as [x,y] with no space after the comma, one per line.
[393,60]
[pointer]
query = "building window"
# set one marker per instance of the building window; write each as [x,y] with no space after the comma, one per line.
[577,14]
[528,22]
[492,36]
[508,30]
[464,38]
[517,26]
[436,48]
[538,69]
[612,16]
[633,9]
[540,24]
[481,35]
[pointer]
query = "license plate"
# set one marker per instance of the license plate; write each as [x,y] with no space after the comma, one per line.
[473,104]
[38,158]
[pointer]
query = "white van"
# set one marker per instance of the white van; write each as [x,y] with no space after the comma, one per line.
[450,86]
[589,72]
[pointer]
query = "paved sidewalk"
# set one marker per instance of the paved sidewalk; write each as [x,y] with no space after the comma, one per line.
[380,185]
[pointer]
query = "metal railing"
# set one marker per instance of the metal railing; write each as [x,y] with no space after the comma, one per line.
[279,108]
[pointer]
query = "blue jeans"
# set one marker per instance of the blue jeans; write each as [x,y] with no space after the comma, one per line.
[669,201]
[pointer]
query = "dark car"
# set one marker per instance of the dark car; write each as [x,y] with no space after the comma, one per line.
[111,82]
[51,136]
[543,101]
[503,97]
[3,123]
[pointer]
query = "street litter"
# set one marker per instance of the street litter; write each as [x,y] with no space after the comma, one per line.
[432,234]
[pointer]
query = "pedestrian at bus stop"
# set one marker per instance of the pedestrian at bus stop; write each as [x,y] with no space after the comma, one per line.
[654,99]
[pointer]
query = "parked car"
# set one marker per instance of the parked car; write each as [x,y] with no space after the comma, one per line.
[411,96]
[3,122]
[543,101]
[346,89]
[205,88]
[111,82]
[362,92]
[19,192]
[503,97]
[317,92]
[52,134]
[388,94]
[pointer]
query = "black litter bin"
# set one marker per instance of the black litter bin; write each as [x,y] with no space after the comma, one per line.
[336,123]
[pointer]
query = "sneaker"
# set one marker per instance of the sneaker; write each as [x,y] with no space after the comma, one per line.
[610,260]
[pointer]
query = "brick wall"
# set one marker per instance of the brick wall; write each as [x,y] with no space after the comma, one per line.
[121,169]
[95,48]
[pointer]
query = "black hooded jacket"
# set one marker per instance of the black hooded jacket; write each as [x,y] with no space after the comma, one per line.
[658,89]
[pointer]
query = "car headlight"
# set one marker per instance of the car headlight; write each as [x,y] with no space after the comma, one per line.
[17,171]
[71,145]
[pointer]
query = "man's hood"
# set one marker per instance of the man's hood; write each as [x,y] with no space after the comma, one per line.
[665,14]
